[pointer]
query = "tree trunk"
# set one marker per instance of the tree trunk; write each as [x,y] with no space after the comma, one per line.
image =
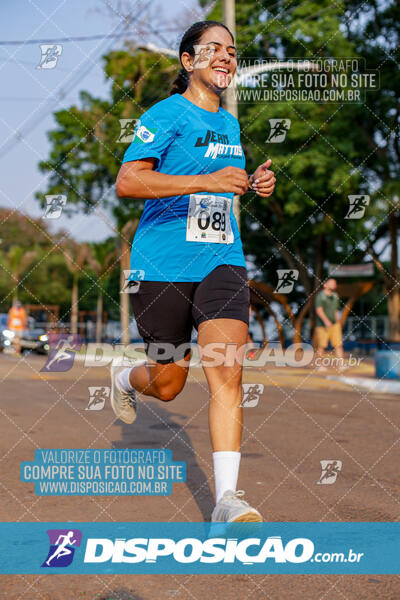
[300,318]
[127,233]
[353,292]
[392,287]
[99,318]
[74,306]
[393,300]
[124,298]
[260,321]
[15,280]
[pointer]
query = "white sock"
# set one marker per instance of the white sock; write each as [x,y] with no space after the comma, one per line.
[123,380]
[226,471]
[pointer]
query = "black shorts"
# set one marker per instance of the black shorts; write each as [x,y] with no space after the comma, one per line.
[166,312]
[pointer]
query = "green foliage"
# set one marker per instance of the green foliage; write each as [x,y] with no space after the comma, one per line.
[302,225]
[105,263]
[85,154]
[48,282]
[331,150]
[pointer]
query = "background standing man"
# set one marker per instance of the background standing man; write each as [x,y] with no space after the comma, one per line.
[328,328]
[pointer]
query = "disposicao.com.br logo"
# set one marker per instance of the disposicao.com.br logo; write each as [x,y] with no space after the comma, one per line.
[199,548]
[215,550]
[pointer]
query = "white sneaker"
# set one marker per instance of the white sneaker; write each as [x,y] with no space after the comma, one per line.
[232,509]
[122,403]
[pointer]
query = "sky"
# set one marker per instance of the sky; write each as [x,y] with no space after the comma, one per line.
[29,96]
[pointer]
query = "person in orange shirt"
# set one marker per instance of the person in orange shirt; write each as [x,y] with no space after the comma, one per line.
[17,323]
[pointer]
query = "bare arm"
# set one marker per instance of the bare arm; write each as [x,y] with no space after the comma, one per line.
[321,313]
[137,179]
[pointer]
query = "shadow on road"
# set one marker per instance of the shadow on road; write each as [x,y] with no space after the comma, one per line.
[157,427]
[120,594]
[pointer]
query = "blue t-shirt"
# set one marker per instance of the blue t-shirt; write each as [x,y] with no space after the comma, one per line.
[186,140]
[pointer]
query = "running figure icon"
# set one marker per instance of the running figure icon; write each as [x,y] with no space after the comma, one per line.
[279,129]
[357,207]
[62,346]
[55,204]
[330,471]
[62,351]
[50,55]
[287,279]
[62,549]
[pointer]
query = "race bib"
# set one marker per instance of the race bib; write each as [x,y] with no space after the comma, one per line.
[209,219]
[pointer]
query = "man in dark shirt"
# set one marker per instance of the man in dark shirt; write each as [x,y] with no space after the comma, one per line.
[328,327]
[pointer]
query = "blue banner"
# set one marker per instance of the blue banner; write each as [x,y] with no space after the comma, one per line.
[199,548]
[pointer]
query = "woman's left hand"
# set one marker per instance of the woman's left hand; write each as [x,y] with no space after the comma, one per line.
[263,180]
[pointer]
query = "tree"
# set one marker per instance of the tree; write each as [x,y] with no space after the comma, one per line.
[374,29]
[46,279]
[15,262]
[86,153]
[26,230]
[127,232]
[331,150]
[76,256]
[302,226]
[103,258]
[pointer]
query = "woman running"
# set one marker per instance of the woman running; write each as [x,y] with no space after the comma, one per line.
[187,161]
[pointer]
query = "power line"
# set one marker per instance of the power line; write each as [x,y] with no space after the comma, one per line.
[68,85]
[79,38]
[22,99]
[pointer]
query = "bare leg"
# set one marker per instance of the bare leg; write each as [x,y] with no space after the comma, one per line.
[319,355]
[160,381]
[16,343]
[339,352]
[225,383]
[340,355]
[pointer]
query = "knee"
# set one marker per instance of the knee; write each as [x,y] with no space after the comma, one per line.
[228,387]
[168,390]
[167,393]
[229,379]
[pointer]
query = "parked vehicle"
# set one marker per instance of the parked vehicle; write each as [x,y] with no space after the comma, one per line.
[34,339]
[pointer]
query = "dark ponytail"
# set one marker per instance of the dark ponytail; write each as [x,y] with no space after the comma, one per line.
[180,82]
[190,38]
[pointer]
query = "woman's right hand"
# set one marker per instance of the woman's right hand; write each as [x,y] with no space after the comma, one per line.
[229,179]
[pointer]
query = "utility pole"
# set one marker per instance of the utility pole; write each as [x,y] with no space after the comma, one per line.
[229,96]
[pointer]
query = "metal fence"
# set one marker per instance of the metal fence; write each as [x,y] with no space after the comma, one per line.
[374,328]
